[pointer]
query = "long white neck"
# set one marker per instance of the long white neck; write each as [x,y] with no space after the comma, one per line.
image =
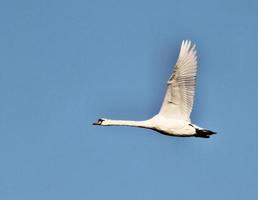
[141,124]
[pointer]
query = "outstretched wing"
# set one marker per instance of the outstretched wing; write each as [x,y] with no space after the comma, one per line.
[178,101]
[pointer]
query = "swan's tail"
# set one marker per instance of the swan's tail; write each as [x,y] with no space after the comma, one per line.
[204,133]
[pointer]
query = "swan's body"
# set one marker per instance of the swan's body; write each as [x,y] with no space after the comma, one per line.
[174,116]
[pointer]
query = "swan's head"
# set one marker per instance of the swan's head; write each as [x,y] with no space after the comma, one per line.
[100,122]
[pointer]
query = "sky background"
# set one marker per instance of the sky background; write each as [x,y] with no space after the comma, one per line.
[63,64]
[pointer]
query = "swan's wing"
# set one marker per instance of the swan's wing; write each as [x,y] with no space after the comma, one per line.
[178,101]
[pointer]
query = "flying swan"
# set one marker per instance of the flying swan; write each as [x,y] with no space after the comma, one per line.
[173,118]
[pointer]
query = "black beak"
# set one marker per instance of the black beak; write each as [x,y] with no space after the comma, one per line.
[94,123]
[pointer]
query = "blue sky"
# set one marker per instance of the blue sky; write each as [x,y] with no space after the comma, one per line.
[66,63]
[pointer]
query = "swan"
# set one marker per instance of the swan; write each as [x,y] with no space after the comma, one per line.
[173,118]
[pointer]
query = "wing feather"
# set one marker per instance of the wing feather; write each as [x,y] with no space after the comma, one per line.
[178,101]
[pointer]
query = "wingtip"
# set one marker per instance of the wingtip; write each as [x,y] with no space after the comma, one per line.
[186,41]
[188,45]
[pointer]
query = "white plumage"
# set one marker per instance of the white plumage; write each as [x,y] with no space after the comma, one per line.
[174,116]
[179,96]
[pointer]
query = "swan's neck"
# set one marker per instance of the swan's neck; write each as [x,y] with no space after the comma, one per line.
[141,124]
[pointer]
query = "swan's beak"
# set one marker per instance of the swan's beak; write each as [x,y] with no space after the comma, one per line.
[98,122]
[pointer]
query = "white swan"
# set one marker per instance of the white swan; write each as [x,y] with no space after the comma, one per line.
[174,116]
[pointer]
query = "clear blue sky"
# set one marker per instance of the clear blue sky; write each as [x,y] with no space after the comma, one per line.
[63,64]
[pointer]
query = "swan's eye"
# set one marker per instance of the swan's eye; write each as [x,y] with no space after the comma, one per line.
[100,121]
